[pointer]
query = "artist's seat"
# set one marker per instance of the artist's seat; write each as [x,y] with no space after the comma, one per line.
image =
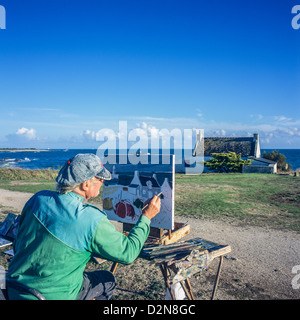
[22,288]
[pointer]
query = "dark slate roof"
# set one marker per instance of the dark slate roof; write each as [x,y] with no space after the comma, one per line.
[243,145]
[144,179]
[263,160]
[125,180]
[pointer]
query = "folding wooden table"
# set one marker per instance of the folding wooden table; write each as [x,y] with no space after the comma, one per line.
[179,261]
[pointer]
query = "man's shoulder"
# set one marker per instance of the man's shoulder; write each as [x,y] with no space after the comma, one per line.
[48,193]
[40,195]
[94,208]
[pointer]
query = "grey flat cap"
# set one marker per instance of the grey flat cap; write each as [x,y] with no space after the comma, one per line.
[80,168]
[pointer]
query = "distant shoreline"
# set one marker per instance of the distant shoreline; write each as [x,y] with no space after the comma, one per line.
[23,150]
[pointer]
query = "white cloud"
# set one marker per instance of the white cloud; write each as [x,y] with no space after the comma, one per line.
[150,129]
[88,135]
[271,132]
[256,117]
[199,113]
[26,133]
[281,118]
[40,109]
[220,132]
[100,135]
[23,137]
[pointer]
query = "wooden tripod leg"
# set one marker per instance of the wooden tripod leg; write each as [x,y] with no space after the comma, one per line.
[217,278]
[114,267]
[187,281]
[186,290]
[167,283]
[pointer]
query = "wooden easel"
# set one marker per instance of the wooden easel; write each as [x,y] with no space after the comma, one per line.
[163,236]
[159,236]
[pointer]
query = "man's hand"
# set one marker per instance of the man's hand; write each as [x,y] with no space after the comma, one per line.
[152,208]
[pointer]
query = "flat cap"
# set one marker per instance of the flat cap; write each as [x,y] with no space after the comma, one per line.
[80,168]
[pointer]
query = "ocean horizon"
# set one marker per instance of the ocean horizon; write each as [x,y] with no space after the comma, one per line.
[55,158]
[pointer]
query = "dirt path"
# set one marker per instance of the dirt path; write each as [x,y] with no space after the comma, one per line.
[12,201]
[259,266]
[260,263]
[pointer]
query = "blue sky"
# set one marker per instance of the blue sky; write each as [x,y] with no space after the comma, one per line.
[71,68]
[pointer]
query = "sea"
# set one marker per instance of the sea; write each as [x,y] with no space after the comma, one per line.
[55,158]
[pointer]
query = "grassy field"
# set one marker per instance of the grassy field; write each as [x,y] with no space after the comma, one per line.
[256,199]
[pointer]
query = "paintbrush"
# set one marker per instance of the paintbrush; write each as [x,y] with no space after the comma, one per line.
[145,206]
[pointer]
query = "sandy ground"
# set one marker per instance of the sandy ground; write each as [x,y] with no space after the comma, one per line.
[12,201]
[260,263]
[258,267]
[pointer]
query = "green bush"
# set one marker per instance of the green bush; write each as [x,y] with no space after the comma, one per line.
[279,158]
[226,162]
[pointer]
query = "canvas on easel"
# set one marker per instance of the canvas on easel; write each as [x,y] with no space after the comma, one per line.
[133,184]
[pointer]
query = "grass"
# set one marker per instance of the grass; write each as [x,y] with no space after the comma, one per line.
[259,199]
[9,174]
[30,181]
[256,199]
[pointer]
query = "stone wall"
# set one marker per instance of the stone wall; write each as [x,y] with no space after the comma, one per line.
[259,169]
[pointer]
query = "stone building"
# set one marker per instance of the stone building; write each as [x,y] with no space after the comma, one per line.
[248,147]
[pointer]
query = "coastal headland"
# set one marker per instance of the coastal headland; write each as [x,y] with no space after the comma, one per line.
[22,150]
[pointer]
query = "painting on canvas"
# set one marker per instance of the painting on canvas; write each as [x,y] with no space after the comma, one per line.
[131,185]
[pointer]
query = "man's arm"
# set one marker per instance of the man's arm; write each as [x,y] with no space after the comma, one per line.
[113,245]
[110,244]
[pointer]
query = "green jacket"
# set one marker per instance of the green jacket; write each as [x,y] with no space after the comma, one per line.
[57,236]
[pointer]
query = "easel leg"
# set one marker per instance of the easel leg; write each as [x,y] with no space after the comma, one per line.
[114,267]
[164,272]
[190,289]
[187,289]
[217,278]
